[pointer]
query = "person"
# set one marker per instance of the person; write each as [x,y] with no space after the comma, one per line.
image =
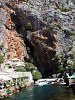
[4,85]
[66,80]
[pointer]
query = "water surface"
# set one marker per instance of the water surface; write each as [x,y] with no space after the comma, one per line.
[47,92]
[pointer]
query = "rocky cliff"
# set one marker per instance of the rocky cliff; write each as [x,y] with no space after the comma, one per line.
[38,30]
[45,43]
[13,45]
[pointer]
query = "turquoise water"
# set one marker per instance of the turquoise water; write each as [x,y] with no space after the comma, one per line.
[47,92]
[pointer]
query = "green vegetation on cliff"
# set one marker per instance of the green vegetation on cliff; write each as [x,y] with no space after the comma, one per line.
[21,69]
[1,58]
[30,67]
[68,32]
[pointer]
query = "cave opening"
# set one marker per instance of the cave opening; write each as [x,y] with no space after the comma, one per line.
[46,72]
[16,21]
[29,47]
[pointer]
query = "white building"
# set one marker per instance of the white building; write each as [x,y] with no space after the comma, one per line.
[15,62]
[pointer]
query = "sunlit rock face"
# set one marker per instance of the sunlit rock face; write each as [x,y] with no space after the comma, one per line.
[11,44]
[15,47]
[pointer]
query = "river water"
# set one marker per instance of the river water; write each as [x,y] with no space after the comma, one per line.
[47,92]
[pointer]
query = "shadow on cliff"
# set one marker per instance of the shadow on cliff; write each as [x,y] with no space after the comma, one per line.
[22,31]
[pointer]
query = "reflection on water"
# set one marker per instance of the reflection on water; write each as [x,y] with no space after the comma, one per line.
[48,92]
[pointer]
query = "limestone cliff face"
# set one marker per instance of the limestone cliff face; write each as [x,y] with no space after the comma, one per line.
[41,23]
[3,18]
[14,46]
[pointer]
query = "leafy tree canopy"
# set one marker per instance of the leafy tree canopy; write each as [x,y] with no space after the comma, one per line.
[29,67]
[36,75]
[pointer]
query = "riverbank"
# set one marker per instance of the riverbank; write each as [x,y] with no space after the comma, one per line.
[10,91]
[14,82]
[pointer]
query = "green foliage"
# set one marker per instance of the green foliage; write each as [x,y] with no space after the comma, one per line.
[61,69]
[21,69]
[62,63]
[28,26]
[51,27]
[70,48]
[64,9]
[36,75]
[8,91]
[73,55]
[68,32]
[1,58]
[9,66]
[60,58]
[29,67]
[8,83]
[73,66]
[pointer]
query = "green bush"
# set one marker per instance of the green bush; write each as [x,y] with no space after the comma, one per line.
[63,9]
[29,67]
[73,66]
[51,27]
[28,26]
[68,32]
[8,91]
[1,58]
[61,69]
[9,66]
[36,75]
[73,55]
[21,69]
[8,83]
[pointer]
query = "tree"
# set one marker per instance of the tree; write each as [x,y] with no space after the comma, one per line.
[1,58]
[29,67]
[61,69]
[36,75]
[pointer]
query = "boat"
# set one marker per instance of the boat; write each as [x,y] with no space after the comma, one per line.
[46,81]
[41,82]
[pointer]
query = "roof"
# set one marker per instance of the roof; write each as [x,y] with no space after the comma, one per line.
[13,75]
[3,73]
[5,78]
[15,59]
[20,74]
[47,79]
